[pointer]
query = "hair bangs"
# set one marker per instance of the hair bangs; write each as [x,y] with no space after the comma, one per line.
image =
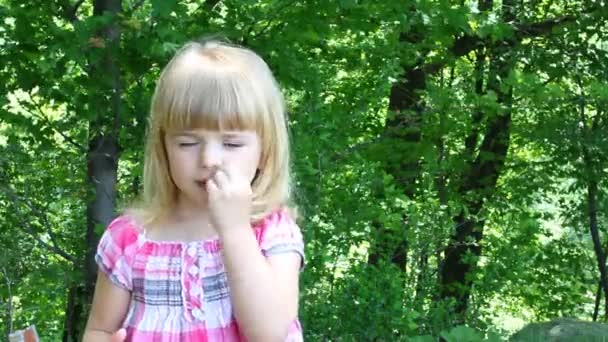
[201,98]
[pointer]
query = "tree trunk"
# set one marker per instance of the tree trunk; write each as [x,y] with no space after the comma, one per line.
[592,190]
[464,247]
[404,139]
[598,293]
[102,163]
[9,304]
[598,299]
[595,236]
[403,134]
[591,175]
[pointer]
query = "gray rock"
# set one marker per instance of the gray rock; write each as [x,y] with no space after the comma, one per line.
[562,330]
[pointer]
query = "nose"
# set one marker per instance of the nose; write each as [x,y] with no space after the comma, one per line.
[211,156]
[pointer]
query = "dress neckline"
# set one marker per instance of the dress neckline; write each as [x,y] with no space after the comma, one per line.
[142,234]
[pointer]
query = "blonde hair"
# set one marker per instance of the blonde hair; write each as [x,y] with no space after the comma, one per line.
[216,85]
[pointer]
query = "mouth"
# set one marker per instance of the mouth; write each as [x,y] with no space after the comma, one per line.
[202,184]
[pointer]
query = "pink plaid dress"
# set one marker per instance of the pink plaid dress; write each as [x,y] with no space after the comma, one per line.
[179,290]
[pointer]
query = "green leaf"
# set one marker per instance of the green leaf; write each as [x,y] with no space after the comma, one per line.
[163,8]
[424,338]
[462,333]
[347,4]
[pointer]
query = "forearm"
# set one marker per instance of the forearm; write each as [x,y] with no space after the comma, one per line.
[260,301]
[92,335]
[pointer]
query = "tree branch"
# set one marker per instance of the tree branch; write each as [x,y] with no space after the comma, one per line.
[275,13]
[210,4]
[538,29]
[40,115]
[465,44]
[70,11]
[9,305]
[29,229]
[136,5]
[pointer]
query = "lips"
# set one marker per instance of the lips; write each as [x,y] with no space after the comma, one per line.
[202,184]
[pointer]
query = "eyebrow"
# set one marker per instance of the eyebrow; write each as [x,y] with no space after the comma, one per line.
[234,136]
[228,135]
[178,135]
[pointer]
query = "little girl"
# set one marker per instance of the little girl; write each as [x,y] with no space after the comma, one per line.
[212,252]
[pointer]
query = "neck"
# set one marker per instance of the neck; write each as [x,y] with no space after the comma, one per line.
[184,222]
[186,211]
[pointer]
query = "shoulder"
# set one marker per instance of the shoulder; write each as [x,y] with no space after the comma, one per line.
[278,233]
[276,228]
[278,218]
[123,231]
[117,249]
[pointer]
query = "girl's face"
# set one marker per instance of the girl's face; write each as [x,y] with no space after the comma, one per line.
[194,155]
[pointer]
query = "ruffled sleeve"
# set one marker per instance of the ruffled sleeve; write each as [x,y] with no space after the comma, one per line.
[116,251]
[279,233]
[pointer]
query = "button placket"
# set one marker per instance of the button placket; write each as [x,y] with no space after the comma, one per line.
[198,314]
[194,288]
[193,270]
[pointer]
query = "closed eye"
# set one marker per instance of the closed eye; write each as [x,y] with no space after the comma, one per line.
[189,144]
[233,144]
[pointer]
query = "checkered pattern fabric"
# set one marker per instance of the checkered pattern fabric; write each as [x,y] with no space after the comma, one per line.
[179,290]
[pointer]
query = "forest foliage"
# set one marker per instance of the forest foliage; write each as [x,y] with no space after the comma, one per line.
[450,156]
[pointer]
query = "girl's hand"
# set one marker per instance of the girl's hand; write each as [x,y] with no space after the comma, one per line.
[119,336]
[229,200]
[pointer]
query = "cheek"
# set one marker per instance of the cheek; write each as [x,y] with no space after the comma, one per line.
[252,159]
[180,163]
[245,162]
